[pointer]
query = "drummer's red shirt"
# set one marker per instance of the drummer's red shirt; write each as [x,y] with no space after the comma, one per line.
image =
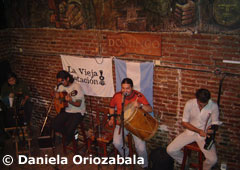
[116,100]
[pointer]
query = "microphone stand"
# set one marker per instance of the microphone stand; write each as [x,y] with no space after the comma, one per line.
[98,135]
[115,115]
[122,126]
[115,124]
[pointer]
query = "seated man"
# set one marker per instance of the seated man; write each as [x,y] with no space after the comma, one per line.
[17,90]
[69,117]
[198,116]
[138,100]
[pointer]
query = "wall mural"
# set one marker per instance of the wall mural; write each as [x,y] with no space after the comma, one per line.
[209,16]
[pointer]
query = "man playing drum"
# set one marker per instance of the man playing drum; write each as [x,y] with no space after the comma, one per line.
[138,100]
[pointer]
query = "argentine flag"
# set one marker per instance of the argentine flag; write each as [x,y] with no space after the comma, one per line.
[140,73]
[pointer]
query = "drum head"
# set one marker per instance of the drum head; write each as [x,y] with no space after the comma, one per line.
[129,111]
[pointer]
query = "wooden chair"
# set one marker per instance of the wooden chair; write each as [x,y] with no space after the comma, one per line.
[187,153]
[102,133]
[17,136]
[75,148]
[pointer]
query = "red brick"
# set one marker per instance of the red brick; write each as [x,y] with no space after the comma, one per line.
[40,61]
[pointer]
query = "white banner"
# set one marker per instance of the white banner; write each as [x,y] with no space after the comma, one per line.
[94,74]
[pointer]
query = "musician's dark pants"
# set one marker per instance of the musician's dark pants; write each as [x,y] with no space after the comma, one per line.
[66,123]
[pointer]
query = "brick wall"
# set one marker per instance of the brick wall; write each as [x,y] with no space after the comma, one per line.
[187,63]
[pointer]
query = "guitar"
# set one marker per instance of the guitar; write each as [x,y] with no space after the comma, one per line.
[61,103]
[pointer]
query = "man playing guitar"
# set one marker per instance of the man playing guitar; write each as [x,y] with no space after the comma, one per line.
[72,111]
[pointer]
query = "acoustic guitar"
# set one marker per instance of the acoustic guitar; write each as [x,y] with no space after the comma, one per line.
[61,103]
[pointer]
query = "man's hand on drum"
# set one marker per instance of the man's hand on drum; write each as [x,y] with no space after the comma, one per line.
[136,104]
[146,108]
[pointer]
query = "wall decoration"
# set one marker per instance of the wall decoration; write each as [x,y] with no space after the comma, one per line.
[194,16]
[72,14]
[227,13]
[126,43]
[95,78]
[185,14]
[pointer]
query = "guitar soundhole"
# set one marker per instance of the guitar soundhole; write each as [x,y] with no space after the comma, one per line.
[74,93]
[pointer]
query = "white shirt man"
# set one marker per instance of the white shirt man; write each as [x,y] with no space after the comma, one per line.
[199,114]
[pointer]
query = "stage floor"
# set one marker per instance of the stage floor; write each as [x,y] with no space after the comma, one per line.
[65,160]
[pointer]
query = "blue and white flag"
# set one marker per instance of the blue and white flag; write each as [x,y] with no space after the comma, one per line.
[140,73]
